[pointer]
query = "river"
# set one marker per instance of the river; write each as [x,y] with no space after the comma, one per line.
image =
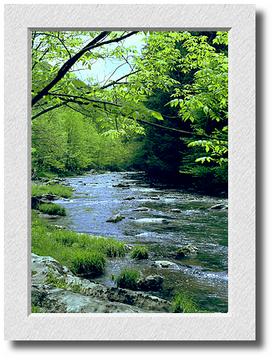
[203,276]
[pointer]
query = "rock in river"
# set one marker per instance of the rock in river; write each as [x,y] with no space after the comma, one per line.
[152,221]
[116,218]
[141,209]
[185,251]
[150,283]
[121,185]
[176,210]
[218,207]
[129,198]
[56,289]
[165,264]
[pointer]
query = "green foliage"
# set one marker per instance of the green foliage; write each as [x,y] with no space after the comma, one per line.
[80,252]
[178,79]
[128,278]
[67,142]
[58,190]
[52,209]
[183,303]
[140,252]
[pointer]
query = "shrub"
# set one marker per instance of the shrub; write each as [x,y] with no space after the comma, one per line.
[128,278]
[88,263]
[56,189]
[52,209]
[183,303]
[139,252]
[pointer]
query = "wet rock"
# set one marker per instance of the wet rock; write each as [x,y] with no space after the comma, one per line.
[152,221]
[129,247]
[150,283]
[50,217]
[36,201]
[165,264]
[218,207]
[115,218]
[121,185]
[54,181]
[175,210]
[141,209]
[50,197]
[60,227]
[73,294]
[129,198]
[185,251]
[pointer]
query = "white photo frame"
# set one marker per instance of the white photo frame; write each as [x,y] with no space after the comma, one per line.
[239,322]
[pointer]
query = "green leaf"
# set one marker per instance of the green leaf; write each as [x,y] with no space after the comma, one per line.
[156,115]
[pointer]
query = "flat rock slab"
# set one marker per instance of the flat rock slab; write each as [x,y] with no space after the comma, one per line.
[81,295]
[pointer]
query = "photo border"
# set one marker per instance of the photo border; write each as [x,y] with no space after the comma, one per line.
[239,322]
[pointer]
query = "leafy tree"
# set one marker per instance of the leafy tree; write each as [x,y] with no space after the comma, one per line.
[173,100]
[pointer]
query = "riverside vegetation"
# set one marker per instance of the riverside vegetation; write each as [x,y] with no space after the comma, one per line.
[163,119]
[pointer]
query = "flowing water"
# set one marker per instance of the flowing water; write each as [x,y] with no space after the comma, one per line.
[203,276]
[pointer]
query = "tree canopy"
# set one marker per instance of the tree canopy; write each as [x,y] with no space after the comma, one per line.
[165,90]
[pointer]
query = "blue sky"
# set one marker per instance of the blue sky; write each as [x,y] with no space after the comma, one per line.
[104,68]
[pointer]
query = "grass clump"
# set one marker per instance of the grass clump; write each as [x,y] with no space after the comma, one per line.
[128,278]
[88,263]
[54,189]
[52,209]
[81,253]
[139,252]
[37,309]
[183,303]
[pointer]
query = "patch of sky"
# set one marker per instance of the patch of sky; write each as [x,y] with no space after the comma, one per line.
[110,69]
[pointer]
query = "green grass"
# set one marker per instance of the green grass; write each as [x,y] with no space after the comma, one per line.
[183,303]
[81,253]
[128,279]
[52,209]
[139,252]
[55,189]
[88,262]
[36,309]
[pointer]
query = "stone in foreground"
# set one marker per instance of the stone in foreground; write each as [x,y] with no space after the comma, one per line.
[55,289]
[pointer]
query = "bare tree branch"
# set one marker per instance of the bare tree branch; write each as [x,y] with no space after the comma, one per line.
[117,81]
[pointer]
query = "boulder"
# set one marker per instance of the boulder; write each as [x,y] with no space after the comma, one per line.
[115,218]
[56,289]
[150,283]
